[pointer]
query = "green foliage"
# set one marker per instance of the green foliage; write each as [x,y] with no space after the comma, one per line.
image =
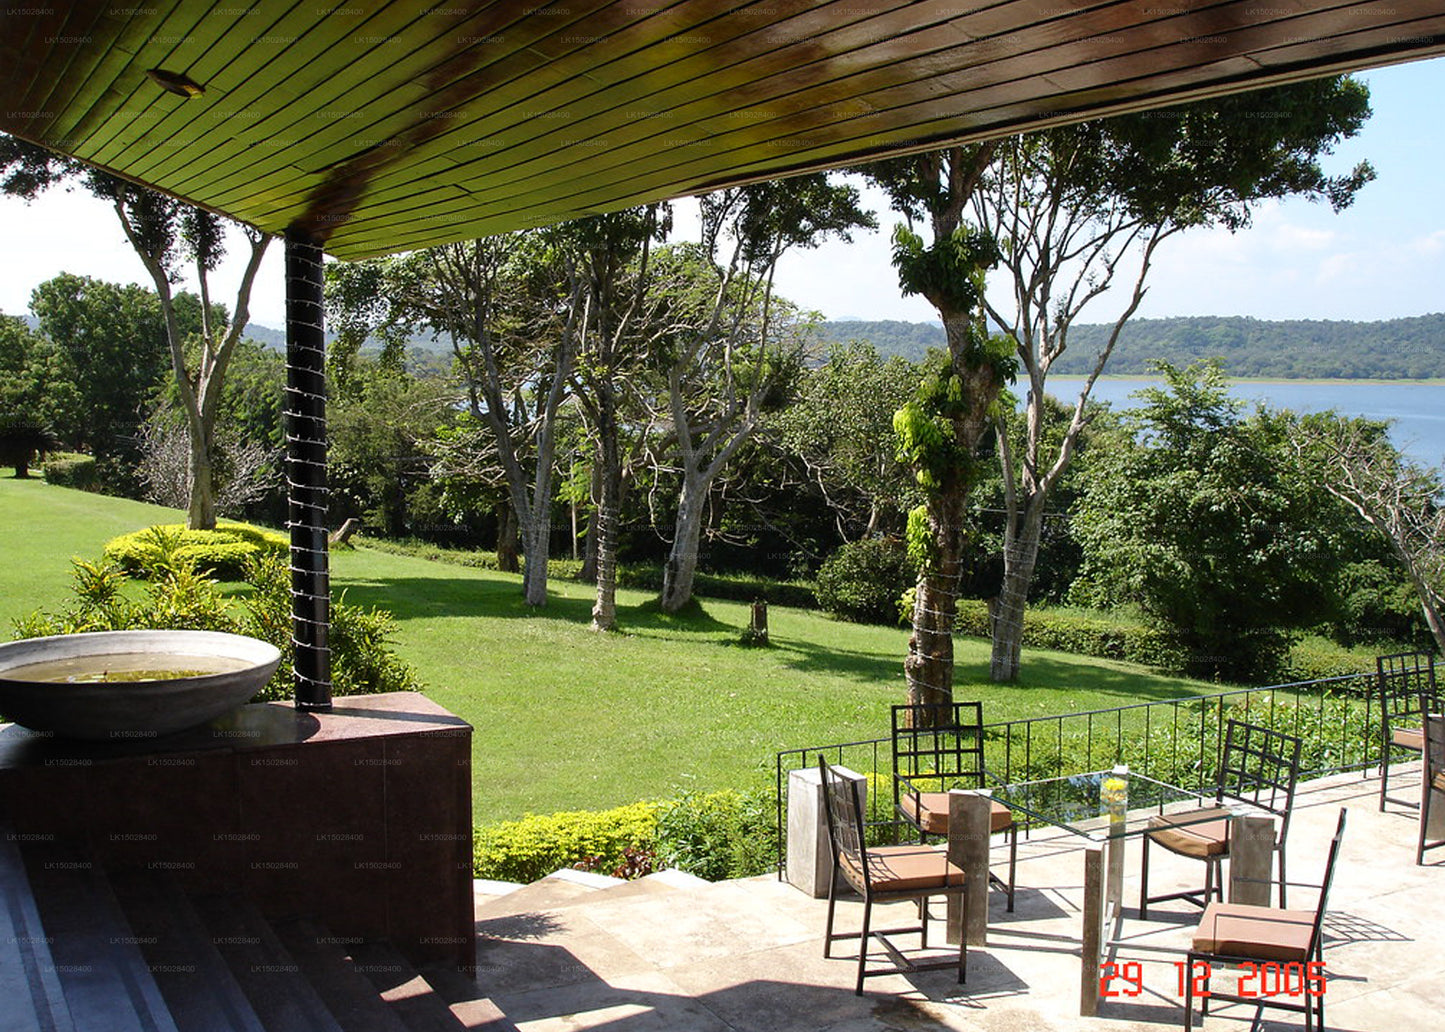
[714,835]
[23,437]
[1204,520]
[949,272]
[72,469]
[176,596]
[1184,749]
[111,356]
[862,580]
[380,471]
[841,427]
[1080,633]
[536,845]
[718,835]
[739,587]
[223,552]
[924,427]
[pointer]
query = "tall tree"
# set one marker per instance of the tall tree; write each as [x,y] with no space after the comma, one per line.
[1199,515]
[840,429]
[1403,501]
[1077,207]
[164,233]
[941,428]
[737,357]
[35,389]
[110,344]
[607,262]
[513,326]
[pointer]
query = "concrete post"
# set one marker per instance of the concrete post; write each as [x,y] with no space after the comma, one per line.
[810,857]
[968,841]
[1251,860]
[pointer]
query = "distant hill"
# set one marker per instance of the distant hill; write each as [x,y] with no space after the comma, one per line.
[1394,349]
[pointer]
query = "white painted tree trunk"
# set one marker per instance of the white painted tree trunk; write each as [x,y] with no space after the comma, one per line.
[681,569]
[1021,552]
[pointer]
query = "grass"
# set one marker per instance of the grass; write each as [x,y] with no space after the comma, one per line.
[569,719]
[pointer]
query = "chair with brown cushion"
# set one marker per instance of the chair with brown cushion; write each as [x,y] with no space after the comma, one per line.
[884,874]
[937,748]
[1290,940]
[1404,688]
[1432,788]
[1259,767]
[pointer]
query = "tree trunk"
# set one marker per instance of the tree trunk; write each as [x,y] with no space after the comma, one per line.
[201,514]
[929,664]
[508,545]
[536,537]
[681,569]
[1021,552]
[609,464]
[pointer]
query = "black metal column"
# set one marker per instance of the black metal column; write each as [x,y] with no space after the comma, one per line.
[306,470]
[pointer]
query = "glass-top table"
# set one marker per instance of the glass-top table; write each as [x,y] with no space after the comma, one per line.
[1107,808]
[1101,804]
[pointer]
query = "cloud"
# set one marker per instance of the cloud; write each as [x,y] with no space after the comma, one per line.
[1430,245]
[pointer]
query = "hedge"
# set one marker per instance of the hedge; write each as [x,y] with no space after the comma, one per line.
[72,469]
[222,552]
[639,576]
[535,846]
[714,835]
[1080,634]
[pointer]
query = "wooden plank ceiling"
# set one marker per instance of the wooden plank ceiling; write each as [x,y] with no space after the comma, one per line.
[386,126]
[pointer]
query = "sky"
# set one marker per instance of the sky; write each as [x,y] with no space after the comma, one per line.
[1382,258]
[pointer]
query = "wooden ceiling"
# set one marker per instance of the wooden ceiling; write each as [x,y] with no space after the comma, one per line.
[387,126]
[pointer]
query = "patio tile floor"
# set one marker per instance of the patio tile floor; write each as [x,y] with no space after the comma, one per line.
[747,955]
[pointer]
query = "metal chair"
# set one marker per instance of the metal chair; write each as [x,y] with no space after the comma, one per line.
[936,748]
[1404,689]
[1432,787]
[884,874]
[1276,939]
[1260,767]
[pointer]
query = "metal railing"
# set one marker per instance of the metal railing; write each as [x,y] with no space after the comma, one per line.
[1173,740]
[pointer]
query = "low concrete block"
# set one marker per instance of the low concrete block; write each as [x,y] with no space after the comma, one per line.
[810,860]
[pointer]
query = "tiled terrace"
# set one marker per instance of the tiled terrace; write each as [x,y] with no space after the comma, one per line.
[667,954]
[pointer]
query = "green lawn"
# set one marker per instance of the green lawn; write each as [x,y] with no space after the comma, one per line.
[569,719]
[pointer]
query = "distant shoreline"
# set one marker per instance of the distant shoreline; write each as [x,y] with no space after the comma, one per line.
[1433,381]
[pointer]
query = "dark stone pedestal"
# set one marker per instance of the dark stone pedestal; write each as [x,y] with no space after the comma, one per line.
[360,817]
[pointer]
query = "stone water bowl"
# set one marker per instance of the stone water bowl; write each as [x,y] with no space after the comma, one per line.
[111,685]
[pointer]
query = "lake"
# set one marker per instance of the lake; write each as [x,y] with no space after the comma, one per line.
[1416,409]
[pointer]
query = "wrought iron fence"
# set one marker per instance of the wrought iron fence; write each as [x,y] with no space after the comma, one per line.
[1174,740]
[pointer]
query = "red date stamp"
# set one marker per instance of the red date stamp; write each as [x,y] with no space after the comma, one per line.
[1253,980]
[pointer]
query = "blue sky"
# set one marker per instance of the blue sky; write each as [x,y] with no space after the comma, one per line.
[1382,258]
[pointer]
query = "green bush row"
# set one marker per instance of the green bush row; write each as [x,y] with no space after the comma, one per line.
[639,576]
[223,552]
[538,844]
[714,835]
[72,469]
[1081,634]
[1183,748]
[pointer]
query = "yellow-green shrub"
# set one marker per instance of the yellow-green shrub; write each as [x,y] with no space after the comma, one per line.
[221,552]
[538,844]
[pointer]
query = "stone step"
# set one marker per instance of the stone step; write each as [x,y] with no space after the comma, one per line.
[559,889]
[267,973]
[408,994]
[33,1000]
[200,991]
[326,964]
[467,1000]
[102,972]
